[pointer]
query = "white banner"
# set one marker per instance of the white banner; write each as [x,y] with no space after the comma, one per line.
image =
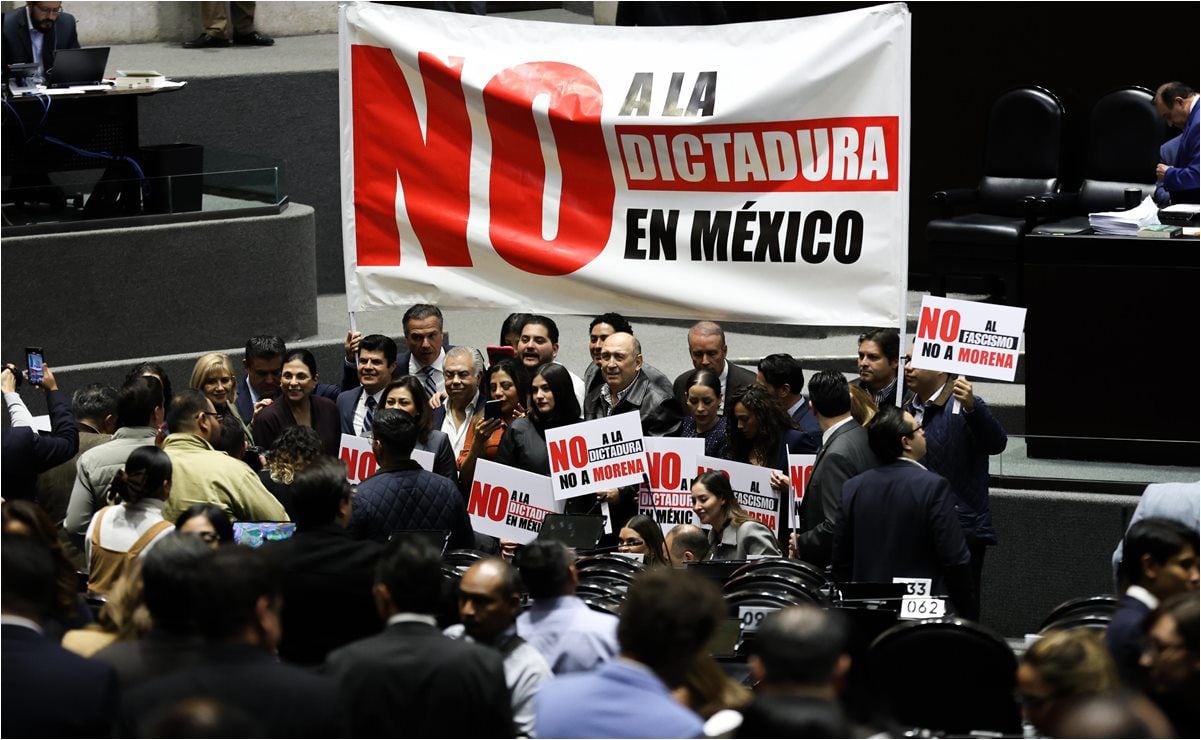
[509,503]
[596,455]
[752,488]
[360,460]
[970,338]
[754,172]
[671,466]
[800,469]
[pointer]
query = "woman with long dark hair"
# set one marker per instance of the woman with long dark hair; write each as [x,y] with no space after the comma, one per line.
[120,533]
[507,381]
[642,536]
[554,405]
[733,534]
[761,433]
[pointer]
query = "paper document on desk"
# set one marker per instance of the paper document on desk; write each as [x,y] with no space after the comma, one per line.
[1125,222]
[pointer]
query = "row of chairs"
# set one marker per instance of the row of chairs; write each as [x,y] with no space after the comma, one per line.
[979,231]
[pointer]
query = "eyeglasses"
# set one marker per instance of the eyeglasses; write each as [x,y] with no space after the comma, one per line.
[1153,647]
[911,432]
[211,413]
[630,543]
[48,11]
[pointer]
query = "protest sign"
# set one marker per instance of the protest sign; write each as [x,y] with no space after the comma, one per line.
[800,469]
[509,503]
[361,463]
[503,162]
[596,455]
[969,338]
[671,466]
[752,488]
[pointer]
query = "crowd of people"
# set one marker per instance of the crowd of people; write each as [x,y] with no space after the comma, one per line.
[128,605]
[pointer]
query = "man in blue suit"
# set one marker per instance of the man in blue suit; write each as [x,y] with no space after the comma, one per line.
[47,691]
[376,365]
[34,33]
[899,520]
[1177,103]
[782,375]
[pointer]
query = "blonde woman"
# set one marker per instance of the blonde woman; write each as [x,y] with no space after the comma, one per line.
[214,376]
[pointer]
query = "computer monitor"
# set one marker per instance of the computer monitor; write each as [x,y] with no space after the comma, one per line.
[78,67]
[254,534]
[577,531]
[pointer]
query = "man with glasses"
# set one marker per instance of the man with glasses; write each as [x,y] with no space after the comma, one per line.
[961,433]
[35,32]
[898,520]
[202,475]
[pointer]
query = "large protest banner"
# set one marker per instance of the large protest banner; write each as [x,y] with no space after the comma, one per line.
[509,503]
[671,466]
[489,162]
[752,488]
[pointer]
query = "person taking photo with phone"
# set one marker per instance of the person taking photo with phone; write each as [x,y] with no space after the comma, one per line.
[26,453]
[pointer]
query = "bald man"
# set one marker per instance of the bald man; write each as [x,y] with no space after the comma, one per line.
[627,388]
[489,602]
[707,349]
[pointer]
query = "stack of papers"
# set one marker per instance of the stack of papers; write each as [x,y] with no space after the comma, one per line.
[1126,223]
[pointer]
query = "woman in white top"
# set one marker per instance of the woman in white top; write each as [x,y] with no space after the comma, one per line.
[120,533]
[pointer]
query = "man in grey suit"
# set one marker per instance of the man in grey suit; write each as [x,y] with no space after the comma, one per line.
[844,453]
[410,680]
[707,348]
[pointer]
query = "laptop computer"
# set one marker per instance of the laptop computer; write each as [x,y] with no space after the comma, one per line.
[577,531]
[73,67]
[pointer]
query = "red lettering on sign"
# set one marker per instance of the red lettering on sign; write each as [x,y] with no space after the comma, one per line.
[568,453]
[585,202]
[665,470]
[488,501]
[936,324]
[800,476]
[434,168]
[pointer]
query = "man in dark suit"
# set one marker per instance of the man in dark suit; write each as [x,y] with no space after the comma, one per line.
[782,375]
[410,680]
[34,33]
[844,453]
[1177,103]
[707,348]
[427,347]
[375,363]
[403,496]
[263,361]
[237,606]
[898,520]
[26,453]
[46,690]
[326,575]
[1159,561]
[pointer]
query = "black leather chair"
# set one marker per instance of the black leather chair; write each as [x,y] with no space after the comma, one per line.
[783,584]
[948,676]
[610,561]
[1124,135]
[1022,163]
[1093,612]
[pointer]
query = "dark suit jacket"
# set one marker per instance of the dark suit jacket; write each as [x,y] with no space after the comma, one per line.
[18,48]
[737,379]
[412,681]
[157,653]
[661,414]
[273,420]
[1124,637]
[899,521]
[285,701]
[50,692]
[326,577]
[811,430]
[845,456]
[26,453]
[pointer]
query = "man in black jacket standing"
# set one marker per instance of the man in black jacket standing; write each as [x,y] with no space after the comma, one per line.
[410,680]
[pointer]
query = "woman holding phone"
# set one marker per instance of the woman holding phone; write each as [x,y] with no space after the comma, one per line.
[524,442]
[507,384]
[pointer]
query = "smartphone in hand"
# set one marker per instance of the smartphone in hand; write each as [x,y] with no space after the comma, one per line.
[492,408]
[34,363]
[498,353]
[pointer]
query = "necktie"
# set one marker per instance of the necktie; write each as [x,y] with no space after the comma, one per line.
[427,375]
[370,413]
